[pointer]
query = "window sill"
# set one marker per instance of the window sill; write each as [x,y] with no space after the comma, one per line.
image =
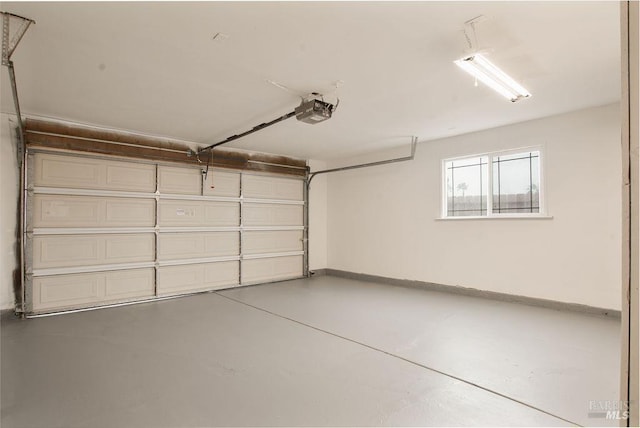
[498,217]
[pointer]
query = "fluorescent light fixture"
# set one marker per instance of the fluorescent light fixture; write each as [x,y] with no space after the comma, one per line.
[485,71]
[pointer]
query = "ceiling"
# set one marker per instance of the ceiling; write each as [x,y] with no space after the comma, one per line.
[154,68]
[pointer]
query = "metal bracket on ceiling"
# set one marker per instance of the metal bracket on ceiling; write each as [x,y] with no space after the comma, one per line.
[414,142]
[9,43]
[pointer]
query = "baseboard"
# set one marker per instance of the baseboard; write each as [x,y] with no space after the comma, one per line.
[318,272]
[474,292]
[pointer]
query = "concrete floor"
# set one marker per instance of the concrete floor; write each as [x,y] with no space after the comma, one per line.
[320,352]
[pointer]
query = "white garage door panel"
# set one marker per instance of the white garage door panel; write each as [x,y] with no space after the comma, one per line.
[280,241]
[51,251]
[84,173]
[221,213]
[222,183]
[272,215]
[104,219]
[127,212]
[66,290]
[129,284]
[267,187]
[183,181]
[84,211]
[197,277]
[131,177]
[77,290]
[198,213]
[180,246]
[271,269]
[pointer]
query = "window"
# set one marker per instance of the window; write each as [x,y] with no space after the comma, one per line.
[497,184]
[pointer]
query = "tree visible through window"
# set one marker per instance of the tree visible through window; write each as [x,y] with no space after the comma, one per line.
[467,182]
[493,184]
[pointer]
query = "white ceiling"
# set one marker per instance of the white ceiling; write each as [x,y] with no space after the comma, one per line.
[152,67]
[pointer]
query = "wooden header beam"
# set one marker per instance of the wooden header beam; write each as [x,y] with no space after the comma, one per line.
[57,135]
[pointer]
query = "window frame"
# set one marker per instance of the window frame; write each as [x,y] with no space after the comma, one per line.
[542,211]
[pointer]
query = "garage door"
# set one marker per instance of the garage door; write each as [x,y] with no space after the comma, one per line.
[104,231]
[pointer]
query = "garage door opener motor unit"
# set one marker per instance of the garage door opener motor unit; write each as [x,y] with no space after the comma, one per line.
[314,111]
[310,110]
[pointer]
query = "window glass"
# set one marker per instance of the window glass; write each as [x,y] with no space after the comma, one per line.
[467,185]
[514,186]
[515,183]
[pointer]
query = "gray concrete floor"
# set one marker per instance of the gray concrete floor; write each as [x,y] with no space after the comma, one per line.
[320,352]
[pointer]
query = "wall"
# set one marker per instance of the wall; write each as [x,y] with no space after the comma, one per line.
[384,220]
[9,183]
[634,90]
[318,218]
[630,346]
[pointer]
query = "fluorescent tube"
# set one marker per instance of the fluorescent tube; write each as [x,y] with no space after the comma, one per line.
[485,71]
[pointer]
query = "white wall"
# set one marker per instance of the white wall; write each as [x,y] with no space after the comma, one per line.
[630,346]
[634,90]
[9,183]
[318,218]
[384,220]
